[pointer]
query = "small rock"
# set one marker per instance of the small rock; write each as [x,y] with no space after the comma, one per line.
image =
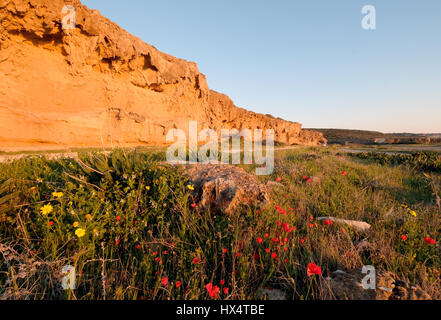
[274,295]
[359,225]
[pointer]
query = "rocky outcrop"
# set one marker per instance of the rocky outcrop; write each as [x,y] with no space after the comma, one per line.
[348,286]
[97,85]
[224,188]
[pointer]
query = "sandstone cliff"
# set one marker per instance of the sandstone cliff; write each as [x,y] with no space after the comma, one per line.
[97,85]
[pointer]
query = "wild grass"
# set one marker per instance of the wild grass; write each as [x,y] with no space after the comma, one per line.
[140,228]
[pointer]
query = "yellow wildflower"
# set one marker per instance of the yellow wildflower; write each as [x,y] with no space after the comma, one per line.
[412,213]
[80,232]
[76,224]
[190,187]
[88,217]
[147,188]
[57,194]
[46,209]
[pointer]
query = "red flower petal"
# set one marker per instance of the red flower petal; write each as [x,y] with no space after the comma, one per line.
[313,269]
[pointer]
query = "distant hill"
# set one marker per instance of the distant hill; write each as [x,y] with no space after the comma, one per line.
[348,136]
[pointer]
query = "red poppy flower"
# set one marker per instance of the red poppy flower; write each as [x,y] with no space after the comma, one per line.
[226,290]
[224,250]
[279,179]
[404,237]
[328,222]
[266,235]
[344,173]
[117,242]
[429,240]
[258,211]
[138,247]
[238,254]
[274,255]
[213,291]
[193,205]
[313,269]
[51,223]
[285,239]
[267,250]
[256,256]
[178,284]
[309,180]
[286,260]
[222,282]
[196,260]
[164,281]
[118,218]
[276,240]
[303,240]
[155,253]
[259,240]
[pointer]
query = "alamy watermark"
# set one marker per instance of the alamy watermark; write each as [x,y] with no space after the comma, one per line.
[69,279]
[369,21]
[369,282]
[69,20]
[209,153]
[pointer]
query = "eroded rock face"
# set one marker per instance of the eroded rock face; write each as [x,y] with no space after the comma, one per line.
[98,85]
[348,286]
[223,188]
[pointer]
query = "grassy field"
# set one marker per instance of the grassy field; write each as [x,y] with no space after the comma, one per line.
[127,225]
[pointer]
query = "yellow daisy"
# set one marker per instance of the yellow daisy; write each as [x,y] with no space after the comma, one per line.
[80,232]
[57,194]
[76,224]
[88,217]
[46,209]
[190,187]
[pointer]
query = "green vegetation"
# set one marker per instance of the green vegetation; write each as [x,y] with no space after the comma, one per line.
[426,161]
[127,223]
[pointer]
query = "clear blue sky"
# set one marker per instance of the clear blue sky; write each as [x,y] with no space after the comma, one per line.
[305,60]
